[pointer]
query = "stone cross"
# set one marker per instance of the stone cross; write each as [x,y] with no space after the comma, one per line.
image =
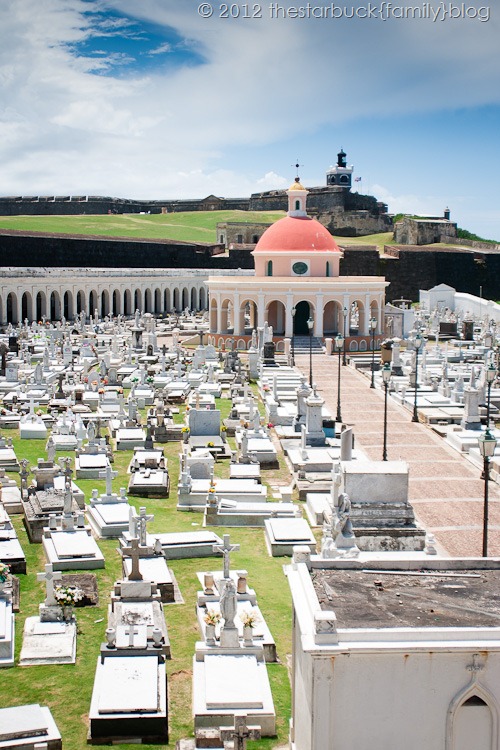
[240,733]
[50,576]
[226,548]
[108,475]
[134,553]
[131,630]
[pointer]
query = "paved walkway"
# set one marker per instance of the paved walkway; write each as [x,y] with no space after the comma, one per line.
[446,490]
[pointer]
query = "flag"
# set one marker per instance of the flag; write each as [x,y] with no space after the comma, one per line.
[357,179]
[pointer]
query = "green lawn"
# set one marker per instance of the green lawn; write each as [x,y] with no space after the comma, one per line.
[188,226]
[67,689]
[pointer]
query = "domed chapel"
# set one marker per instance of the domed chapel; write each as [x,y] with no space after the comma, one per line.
[297,277]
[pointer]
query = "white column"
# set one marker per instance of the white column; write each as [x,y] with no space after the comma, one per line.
[236,314]
[318,318]
[288,316]
[368,315]
[261,309]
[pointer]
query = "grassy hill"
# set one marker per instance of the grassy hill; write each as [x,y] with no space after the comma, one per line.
[189,226]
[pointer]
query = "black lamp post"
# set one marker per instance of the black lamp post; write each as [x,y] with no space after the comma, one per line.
[339,343]
[345,312]
[294,310]
[487,444]
[490,377]
[386,376]
[373,325]
[310,324]
[417,343]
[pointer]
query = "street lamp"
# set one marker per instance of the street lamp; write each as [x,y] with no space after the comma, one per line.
[491,373]
[487,444]
[386,376]
[310,324]
[294,310]
[345,312]
[417,343]
[373,325]
[339,343]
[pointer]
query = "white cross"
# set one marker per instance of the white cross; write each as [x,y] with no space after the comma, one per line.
[131,630]
[50,576]
[108,475]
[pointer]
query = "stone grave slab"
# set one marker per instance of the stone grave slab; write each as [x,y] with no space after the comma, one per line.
[130,438]
[186,544]
[232,682]
[48,642]
[154,569]
[236,685]
[282,534]
[12,554]
[72,550]
[109,520]
[129,700]
[7,634]
[28,727]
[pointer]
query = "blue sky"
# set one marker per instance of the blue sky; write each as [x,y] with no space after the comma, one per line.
[147,99]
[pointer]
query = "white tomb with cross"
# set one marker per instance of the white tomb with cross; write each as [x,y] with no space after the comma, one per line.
[49,638]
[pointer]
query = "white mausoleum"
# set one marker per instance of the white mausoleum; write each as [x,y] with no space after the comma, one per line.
[395,660]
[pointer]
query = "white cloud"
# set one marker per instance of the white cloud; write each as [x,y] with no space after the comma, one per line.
[66,127]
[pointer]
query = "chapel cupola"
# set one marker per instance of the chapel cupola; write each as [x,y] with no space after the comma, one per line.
[297,198]
[340,174]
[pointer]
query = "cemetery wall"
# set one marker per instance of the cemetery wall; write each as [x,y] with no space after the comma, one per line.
[60,251]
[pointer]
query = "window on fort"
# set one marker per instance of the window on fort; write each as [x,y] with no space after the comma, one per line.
[344,179]
[255,239]
[239,239]
[327,268]
[297,205]
[222,239]
[269,268]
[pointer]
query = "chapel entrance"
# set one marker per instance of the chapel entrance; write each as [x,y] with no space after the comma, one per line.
[302,314]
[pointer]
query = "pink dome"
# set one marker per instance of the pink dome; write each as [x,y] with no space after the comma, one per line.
[297,233]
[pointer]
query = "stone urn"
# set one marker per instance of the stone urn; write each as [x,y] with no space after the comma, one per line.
[210,634]
[67,611]
[248,635]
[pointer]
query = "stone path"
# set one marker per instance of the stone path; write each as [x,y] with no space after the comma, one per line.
[446,490]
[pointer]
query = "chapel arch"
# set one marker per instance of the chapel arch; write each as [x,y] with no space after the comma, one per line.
[275,316]
[185,299]
[333,318]
[157,307]
[148,301]
[226,316]
[357,322]
[116,302]
[303,311]
[248,316]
